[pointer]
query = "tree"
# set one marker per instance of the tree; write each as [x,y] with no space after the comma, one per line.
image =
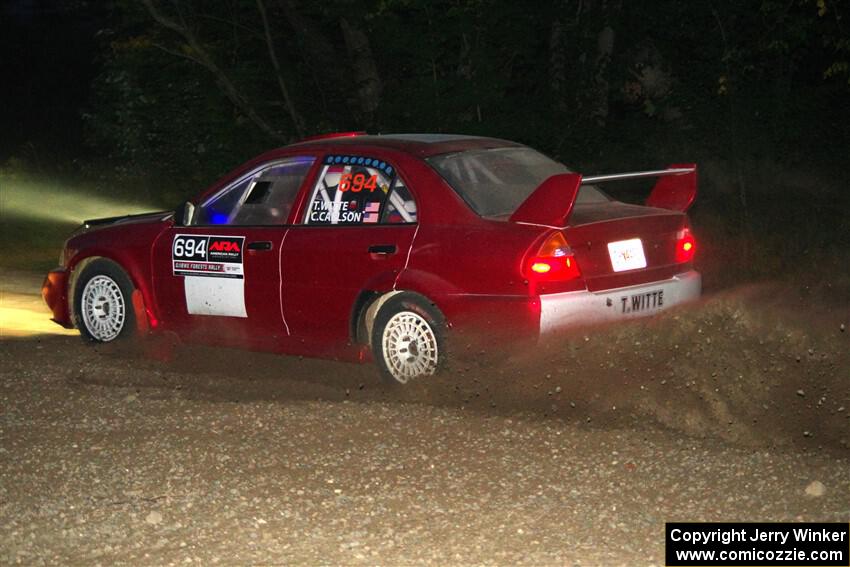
[185,83]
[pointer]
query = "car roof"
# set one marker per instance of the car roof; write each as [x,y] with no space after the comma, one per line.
[420,145]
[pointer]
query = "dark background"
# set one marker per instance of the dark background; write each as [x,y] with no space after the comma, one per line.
[48,59]
[153,100]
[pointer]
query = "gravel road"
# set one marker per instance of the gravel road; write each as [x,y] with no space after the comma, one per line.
[108,456]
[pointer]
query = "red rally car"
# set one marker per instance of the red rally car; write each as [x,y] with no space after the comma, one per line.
[345,244]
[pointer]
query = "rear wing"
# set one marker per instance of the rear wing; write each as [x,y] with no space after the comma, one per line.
[676,190]
[552,202]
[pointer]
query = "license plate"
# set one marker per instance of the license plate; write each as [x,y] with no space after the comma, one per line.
[627,255]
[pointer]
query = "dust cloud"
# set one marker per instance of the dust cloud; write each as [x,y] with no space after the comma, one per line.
[762,366]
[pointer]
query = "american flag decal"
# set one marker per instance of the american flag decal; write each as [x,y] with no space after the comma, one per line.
[370,212]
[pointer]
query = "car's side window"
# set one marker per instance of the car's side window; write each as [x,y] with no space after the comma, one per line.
[263,197]
[401,208]
[351,190]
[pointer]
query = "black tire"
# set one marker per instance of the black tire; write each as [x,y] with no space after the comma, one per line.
[426,339]
[116,298]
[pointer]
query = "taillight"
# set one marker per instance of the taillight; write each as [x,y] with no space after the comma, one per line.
[685,246]
[554,261]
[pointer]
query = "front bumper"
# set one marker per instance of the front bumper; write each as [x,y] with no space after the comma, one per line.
[54,291]
[560,310]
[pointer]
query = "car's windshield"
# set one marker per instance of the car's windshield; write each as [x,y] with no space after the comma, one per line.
[496,181]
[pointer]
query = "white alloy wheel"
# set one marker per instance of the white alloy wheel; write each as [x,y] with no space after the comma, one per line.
[409,346]
[103,308]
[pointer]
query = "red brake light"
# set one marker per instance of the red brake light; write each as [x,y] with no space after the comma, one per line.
[554,261]
[685,246]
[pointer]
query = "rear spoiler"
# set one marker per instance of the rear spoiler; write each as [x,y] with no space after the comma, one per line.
[552,202]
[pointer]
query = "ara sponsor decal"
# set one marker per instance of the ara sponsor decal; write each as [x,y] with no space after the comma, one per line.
[226,249]
[212,271]
[215,256]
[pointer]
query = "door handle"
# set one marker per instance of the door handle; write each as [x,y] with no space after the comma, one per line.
[384,249]
[260,245]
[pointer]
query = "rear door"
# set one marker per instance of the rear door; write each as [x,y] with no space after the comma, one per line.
[218,279]
[354,235]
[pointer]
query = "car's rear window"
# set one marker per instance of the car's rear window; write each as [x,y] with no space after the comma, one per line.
[495,182]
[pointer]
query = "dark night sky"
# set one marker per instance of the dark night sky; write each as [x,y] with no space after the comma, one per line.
[47,61]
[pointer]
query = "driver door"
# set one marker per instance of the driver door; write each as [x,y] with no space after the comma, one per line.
[217,279]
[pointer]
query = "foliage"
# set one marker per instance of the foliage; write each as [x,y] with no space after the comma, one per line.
[759,78]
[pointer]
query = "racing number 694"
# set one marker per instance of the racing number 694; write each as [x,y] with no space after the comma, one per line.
[189,247]
[358,182]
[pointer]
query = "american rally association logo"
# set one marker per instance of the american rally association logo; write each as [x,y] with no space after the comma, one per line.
[225,249]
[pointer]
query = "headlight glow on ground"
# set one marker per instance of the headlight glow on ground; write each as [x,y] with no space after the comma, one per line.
[25,315]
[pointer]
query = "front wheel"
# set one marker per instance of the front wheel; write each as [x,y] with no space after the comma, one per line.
[103,310]
[408,338]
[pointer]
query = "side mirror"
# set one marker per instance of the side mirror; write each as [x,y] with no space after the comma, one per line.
[184,213]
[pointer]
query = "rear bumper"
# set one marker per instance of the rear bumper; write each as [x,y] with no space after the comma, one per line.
[54,291]
[561,310]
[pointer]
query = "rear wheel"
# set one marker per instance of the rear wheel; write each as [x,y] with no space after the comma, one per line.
[103,310]
[408,338]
